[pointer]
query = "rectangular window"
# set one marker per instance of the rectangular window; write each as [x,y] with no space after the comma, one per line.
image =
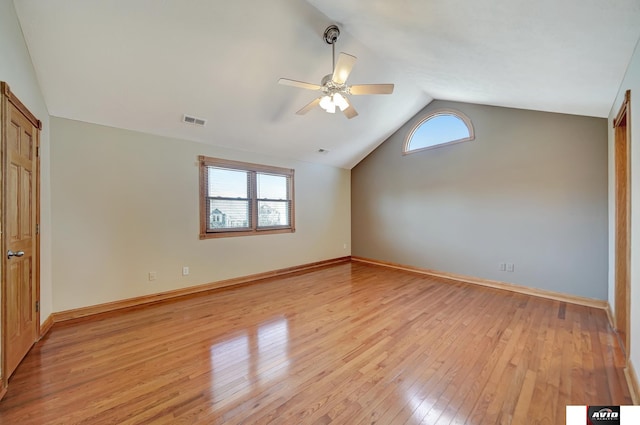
[240,199]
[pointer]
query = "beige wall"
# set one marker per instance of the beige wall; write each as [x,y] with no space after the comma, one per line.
[530,190]
[126,203]
[630,82]
[16,70]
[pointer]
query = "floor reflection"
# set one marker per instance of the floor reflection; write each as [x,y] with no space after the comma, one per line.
[230,363]
[273,350]
[424,409]
[249,360]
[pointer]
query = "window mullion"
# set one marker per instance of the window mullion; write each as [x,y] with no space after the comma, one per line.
[253,195]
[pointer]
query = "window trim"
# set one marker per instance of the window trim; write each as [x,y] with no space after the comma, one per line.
[206,161]
[431,114]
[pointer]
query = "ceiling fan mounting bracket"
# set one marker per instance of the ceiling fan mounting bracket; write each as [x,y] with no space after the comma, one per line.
[331,34]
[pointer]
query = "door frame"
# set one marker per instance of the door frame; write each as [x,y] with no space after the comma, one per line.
[7,98]
[622,276]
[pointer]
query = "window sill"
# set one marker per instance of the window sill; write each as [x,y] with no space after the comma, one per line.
[216,235]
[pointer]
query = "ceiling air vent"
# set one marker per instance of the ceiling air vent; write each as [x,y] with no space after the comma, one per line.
[193,120]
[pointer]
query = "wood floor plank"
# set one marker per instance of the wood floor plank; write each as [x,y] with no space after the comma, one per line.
[347,343]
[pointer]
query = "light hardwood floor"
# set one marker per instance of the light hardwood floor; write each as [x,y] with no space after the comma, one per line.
[346,344]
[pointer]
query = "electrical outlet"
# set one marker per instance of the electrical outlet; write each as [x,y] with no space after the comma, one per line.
[502,267]
[344,246]
[510,267]
[152,276]
[185,271]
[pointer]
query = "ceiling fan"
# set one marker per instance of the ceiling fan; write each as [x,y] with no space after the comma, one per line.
[333,86]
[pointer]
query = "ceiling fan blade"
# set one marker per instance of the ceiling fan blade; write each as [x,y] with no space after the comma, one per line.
[299,84]
[309,106]
[343,68]
[371,89]
[350,112]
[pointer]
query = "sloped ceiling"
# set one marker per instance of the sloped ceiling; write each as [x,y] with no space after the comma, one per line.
[565,56]
[142,64]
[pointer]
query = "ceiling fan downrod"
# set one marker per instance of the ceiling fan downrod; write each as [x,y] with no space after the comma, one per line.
[331,35]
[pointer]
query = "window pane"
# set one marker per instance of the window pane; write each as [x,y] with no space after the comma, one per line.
[437,130]
[272,187]
[227,183]
[227,214]
[273,213]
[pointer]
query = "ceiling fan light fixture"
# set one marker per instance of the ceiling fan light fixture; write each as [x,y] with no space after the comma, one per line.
[340,101]
[326,103]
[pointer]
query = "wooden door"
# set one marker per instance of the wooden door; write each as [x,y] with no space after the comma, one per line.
[622,222]
[19,236]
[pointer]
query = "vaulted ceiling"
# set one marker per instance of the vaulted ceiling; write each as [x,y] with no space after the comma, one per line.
[142,64]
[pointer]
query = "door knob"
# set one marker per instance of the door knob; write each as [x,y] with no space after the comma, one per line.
[14,254]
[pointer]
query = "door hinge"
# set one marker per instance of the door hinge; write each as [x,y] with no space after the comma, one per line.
[37,306]
[38,151]
[37,228]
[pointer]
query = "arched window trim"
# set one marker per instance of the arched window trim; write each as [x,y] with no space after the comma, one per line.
[432,114]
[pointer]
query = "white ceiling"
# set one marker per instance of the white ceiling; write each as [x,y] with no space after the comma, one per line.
[142,64]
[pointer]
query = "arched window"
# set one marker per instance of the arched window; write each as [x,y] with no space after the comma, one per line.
[439,128]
